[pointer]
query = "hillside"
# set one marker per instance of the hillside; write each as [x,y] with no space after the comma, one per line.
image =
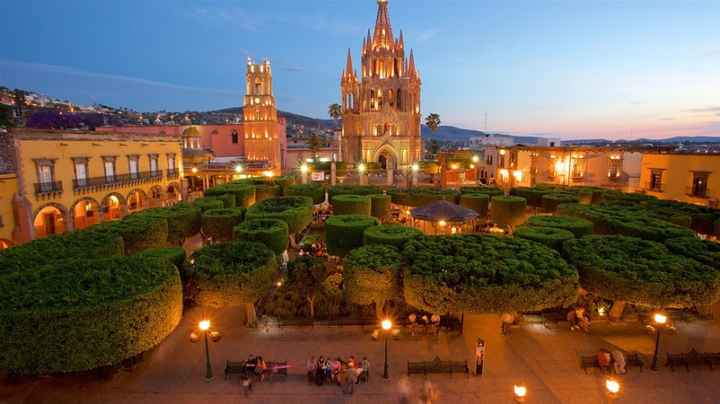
[292,119]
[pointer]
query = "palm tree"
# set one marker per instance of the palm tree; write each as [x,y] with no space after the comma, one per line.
[433,121]
[335,111]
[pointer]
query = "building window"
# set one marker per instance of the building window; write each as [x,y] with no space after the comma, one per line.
[171,162]
[133,166]
[153,164]
[699,187]
[45,174]
[109,167]
[81,168]
[655,181]
[578,168]
[615,168]
[234,137]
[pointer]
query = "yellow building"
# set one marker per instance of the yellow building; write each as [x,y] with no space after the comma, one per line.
[71,180]
[8,185]
[693,178]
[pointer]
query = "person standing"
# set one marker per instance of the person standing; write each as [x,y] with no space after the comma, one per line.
[479,357]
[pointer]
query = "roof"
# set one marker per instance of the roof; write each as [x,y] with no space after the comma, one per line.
[443,210]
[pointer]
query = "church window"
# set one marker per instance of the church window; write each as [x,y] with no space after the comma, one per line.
[234,137]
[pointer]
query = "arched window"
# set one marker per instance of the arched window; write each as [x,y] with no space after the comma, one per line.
[398,101]
[234,136]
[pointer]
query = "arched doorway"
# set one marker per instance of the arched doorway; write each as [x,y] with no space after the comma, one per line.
[5,244]
[49,220]
[386,159]
[113,206]
[86,212]
[156,196]
[136,200]
[173,194]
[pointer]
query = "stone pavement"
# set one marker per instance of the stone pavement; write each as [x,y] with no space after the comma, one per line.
[546,360]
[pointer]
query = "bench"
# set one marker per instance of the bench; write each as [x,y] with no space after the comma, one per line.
[438,366]
[712,359]
[273,368]
[232,367]
[634,359]
[692,358]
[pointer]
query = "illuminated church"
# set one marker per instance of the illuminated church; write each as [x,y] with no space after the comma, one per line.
[381,106]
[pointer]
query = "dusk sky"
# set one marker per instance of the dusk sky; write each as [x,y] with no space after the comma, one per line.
[569,68]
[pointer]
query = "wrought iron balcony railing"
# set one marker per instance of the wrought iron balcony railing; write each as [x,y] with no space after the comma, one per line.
[114,181]
[48,188]
[172,174]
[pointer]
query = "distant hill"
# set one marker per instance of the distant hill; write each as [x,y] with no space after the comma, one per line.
[670,140]
[290,118]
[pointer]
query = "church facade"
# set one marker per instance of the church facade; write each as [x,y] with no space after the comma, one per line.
[381,103]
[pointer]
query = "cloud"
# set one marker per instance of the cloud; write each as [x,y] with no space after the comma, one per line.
[705,110]
[667,119]
[70,71]
[428,34]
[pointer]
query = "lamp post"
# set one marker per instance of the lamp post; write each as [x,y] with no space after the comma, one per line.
[519,393]
[660,321]
[204,328]
[361,171]
[476,166]
[612,387]
[414,168]
[386,326]
[303,173]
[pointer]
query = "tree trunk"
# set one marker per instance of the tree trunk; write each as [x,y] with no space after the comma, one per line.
[379,312]
[250,315]
[616,310]
[311,304]
[293,244]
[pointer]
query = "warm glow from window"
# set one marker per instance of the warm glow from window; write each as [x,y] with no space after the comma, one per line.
[475,159]
[502,152]
[504,173]
[415,167]
[268,173]
[518,174]
[442,223]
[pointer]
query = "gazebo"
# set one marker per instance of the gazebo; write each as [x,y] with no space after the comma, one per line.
[443,217]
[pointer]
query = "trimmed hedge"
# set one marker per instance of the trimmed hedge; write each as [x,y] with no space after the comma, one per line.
[533,195]
[578,226]
[351,205]
[508,210]
[139,231]
[717,227]
[485,274]
[266,191]
[79,315]
[273,233]
[550,236]
[296,211]
[244,193]
[228,200]
[209,202]
[353,190]
[218,224]
[345,232]
[415,197]
[184,221]
[707,252]
[371,275]
[313,191]
[551,201]
[233,273]
[480,203]
[492,191]
[380,206]
[174,255]
[390,234]
[641,272]
[49,250]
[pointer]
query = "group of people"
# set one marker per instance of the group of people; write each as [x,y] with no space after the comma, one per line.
[579,319]
[423,322]
[614,361]
[316,249]
[344,373]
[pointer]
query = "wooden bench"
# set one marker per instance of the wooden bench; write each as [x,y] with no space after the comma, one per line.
[438,366]
[692,358]
[712,359]
[634,359]
[232,367]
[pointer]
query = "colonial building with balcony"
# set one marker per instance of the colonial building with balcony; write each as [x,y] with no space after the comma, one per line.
[68,180]
[692,178]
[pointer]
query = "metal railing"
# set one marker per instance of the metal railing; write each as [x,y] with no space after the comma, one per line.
[48,188]
[111,181]
[172,174]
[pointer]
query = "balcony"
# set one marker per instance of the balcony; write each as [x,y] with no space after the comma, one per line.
[172,174]
[698,192]
[48,189]
[115,181]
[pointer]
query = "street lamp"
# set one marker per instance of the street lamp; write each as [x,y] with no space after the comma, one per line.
[238,168]
[660,321]
[204,328]
[613,388]
[361,168]
[520,392]
[304,168]
[386,326]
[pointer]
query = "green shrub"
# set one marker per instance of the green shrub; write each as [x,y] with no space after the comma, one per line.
[351,205]
[233,273]
[174,255]
[228,200]
[244,193]
[578,226]
[422,196]
[296,211]
[550,236]
[218,224]
[313,191]
[704,251]
[380,206]
[345,232]
[641,272]
[37,253]
[80,315]
[184,221]
[273,233]
[717,228]
[508,210]
[533,195]
[477,202]
[550,201]
[485,274]
[491,191]
[370,275]
[266,191]
[353,190]
[209,202]
[390,234]
[139,232]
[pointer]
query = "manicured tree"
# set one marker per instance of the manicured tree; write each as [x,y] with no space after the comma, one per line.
[139,232]
[244,193]
[492,191]
[209,202]
[77,315]
[642,272]
[550,236]
[345,232]
[174,255]
[578,226]
[183,219]
[508,211]
[380,206]
[313,191]
[477,202]
[306,276]
[390,234]
[351,205]
[704,251]
[271,232]
[353,190]
[237,273]
[218,224]
[228,200]
[550,201]
[485,274]
[371,276]
[717,228]
[296,211]
[266,191]
[533,195]
[422,196]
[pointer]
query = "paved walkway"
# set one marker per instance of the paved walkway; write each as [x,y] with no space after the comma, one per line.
[545,360]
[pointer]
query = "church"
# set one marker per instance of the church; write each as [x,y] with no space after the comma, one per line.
[381,106]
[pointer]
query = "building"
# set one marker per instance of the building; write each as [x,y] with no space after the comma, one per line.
[692,178]
[381,106]
[63,181]
[479,142]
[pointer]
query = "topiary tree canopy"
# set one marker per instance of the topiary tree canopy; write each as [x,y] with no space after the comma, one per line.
[371,275]
[390,234]
[508,211]
[380,206]
[552,237]
[353,190]
[273,233]
[550,201]
[234,273]
[491,191]
[79,315]
[138,231]
[345,232]
[705,251]
[296,211]
[244,193]
[265,191]
[641,272]
[209,202]
[533,195]
[312,191]
[183,219]
[422,196]
[477,202]
[218,224]
[578,226]
[352,205]
[485,274]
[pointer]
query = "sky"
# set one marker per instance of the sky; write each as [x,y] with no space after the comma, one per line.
[617,69]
